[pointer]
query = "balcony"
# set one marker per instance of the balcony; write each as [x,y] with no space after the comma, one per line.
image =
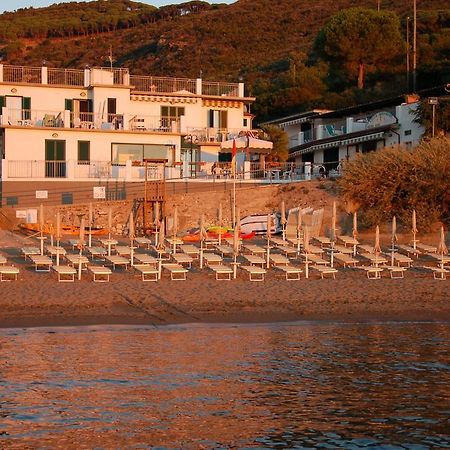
[204,135]
[31,118]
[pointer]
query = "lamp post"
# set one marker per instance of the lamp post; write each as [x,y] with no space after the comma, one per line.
[433,101]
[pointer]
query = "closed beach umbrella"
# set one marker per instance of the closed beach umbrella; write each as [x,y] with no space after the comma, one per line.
[306,249]
[160,246]
[80,245]
[377,248]
[203,236]
[393,238]
[333,233]
[355,231]
[175,229]
[299,229]
[156,221]
[131,235]
[91,220]
[268,234]
[58,235]
[220,221]
[109,222]
[236,240]
[41,226]
[442,248]
[283,219]
[414,228]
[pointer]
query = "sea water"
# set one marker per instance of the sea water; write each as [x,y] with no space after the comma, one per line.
[299,385]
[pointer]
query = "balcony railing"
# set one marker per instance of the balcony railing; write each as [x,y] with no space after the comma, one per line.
[33,118]
[37,169]
[201,135]
[162,85]
[220,89]
[22,74]
[65,77]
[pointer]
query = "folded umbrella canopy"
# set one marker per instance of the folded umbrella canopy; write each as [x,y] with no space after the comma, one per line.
[247,143]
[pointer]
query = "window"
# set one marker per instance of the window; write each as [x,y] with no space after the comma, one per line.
[407,132]
[84,152]
[121,153]
[245,122]
[217,118]
[170,114]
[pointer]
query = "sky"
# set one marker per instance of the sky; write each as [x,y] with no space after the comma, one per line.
[11,5]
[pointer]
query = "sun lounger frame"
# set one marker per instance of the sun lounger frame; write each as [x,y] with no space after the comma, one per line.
[65,271]
[6,271]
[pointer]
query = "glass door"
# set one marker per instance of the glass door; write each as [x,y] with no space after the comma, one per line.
[55,159]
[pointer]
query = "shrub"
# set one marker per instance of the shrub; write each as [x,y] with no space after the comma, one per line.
[394,181]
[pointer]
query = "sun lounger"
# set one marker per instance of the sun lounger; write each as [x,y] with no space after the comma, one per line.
[106,242]
[439,258]
[123,250]
[255,260]
[97,253]
[323,270]
[372,271]
[322,240]
[374,259]
[190,249]
[177,272]
[396,271]
[100,274]
[230,241]
[143,258]
[178,241]
[143,241]
[409,250]
[210,243]
[254,249]
[76,259]
[439,273]
[348,240]
[163,252]
[279,242]
[222,272]
[9,273]
[183,258]
[292,272]
[426,248]
[278,260]
[116,260]
[342,249]
[53,251]
[148,273]
[65,273]
[212,259]
[313,249]
[42,263]
[363,249]
[29,251]
[345,260]
[314,259]
[288,250]
[224,250]
[255,273]
[402,259]
[3,260]
[74,243]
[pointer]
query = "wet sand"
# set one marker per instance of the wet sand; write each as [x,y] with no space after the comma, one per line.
[37,299]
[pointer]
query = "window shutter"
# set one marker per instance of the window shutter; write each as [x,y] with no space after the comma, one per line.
[68,104]
[83,151]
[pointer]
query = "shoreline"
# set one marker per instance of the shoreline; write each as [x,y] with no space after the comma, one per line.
[39,301]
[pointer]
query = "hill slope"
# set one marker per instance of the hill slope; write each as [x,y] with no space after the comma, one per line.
[262,41]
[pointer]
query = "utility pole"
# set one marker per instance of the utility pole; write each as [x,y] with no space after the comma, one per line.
[414,46]
[407,56]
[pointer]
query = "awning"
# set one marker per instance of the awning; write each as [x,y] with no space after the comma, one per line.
[244,143]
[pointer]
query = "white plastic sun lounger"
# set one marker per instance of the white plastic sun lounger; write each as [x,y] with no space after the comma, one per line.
[76,259]
[176,271]
[183,258]
[123,250]
[148,273]
[426,248]
[373,273]
[345,260]
[29,251]
[65,273]
[212,259]
[254,249]
[278,260]
[42,263]
[292,272]
[396,271]
[53,251]
[341,249]
[143,258]
[97,253]
[190,249]
[402,259]
[322,240]
[314,259]
[255,273]
[222,272]
[363,249]
[100,274]
[439,273]
[348,240]
[313,249]
[224,250]
[9,273]
[255,260]
[374,259]
[324,270]
[409,250]
[438,258]
[116,260]
[143,241]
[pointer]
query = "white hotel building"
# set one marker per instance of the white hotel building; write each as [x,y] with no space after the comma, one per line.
[95,124]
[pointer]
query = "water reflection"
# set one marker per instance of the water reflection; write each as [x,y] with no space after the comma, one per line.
[268,386]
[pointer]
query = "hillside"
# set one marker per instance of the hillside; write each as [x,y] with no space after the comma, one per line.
[267,44]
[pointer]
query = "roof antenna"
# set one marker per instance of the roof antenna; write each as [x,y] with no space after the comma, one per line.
[110,57]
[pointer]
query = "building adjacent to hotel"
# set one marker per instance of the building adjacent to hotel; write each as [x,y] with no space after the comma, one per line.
[95,124]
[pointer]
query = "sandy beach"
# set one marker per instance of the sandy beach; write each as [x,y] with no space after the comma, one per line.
[37,299]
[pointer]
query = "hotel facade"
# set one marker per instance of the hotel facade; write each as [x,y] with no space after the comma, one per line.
[89,125]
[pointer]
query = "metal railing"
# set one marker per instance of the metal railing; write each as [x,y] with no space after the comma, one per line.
[22,74]
[220,89]
[37,169]
[162,85]
[208,134]
[154,123]
[65,77]
[33,118]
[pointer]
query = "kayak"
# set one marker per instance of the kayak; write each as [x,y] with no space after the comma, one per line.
[70,230]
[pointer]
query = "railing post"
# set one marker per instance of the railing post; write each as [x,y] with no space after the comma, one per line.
[241,90]
[126,122]
[128,170]
[44,75]
[198,86]
[247,165]
[66,118]
[126,78]
[1,73]
[70,169]
[87,77]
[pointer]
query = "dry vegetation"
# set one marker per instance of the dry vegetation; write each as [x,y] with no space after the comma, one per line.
[395,181]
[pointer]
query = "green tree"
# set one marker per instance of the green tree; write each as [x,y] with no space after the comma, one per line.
[363,40]
[280,141]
